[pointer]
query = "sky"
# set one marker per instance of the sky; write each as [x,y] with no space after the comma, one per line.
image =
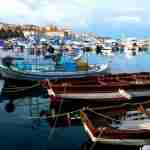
[105,17]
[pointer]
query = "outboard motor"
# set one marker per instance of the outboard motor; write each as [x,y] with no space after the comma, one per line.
[7,61]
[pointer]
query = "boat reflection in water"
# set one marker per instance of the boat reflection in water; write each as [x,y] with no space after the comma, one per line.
[40,111]
[62,128]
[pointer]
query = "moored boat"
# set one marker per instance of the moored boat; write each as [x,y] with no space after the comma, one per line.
[101,89]
[105,82]
[122,125]
[14,73]
[57,68]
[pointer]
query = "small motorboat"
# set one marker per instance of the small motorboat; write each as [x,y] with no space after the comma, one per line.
[121,125]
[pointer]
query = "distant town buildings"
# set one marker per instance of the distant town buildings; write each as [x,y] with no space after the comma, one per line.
[50,30]
[9,31]
[13,30]
[66,33]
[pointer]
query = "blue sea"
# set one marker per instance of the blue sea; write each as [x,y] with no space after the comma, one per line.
[19,131]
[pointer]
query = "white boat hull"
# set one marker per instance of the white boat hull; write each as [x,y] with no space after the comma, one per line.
[13,73]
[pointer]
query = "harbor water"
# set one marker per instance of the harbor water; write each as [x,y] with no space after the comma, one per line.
[20,130]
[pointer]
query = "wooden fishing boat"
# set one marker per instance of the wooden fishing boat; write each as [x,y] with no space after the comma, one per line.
[109,81]
[96,92]
[99,84]
[14,73]
[122,125]
[8,70]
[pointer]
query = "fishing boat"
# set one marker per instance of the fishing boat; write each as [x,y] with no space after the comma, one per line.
[107,82]
[14,73]
[122,125]
[52,72]
[107,88]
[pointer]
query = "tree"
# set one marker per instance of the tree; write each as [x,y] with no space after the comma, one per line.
[2,34]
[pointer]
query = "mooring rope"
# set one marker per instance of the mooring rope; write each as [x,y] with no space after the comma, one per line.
[92,109]
[19,89]
[59,109]
[103,116]
[121,105]
[57,115]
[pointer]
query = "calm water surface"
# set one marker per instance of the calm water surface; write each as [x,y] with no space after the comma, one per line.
[16,129]
[123,62]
